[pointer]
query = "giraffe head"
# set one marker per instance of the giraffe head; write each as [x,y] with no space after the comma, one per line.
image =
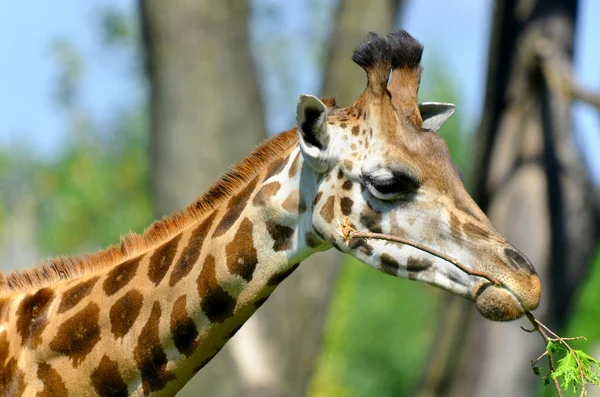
[381,164]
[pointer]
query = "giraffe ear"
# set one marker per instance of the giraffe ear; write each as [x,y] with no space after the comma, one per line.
[435,114]
[311,119]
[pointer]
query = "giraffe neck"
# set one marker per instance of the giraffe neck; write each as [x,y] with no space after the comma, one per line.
[148,324]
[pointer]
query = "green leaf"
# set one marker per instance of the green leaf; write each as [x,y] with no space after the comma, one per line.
[568,371]
[554,347]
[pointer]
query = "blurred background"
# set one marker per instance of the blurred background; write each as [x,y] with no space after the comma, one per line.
[116,112]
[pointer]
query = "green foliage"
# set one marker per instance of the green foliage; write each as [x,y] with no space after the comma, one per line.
[567,369]
[585,320]
[71,68]
[117,27]
[94,191]
[96,187]
[380,328]
[586,314]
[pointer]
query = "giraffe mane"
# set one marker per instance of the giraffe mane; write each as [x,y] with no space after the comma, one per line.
[132,244]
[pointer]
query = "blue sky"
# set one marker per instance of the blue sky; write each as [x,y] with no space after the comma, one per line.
[457,32]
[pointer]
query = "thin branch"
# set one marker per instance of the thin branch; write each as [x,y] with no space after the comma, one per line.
[348,232]
[542,356]
[562,340]
[559,76]
[536,326]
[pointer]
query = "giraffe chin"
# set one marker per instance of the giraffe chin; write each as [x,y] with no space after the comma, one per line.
[498,304]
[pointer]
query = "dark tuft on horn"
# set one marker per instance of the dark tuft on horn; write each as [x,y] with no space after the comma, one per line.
[373,51]
[406,50]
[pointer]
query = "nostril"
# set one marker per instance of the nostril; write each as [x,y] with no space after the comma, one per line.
[519,260]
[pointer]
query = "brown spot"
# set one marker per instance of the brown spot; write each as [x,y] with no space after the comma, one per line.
[32,317]
[4,309]
[235,207]
[12,379]
[240,252]
[78,335]
[276,167]
[361,245]
[53,383]
[343,125]
[311,240]
[124,313]
[340,174]
[371,219]
[473,230]
[454,225]
[183,328]
[294,167]
[107,380]
[348,164]
[389,265]
[190,254]
[327,210]
[353,146]
[346,204]
[266,192]
[355,130]
[121,275]
[467,208]
[279,277]
[328,177]
[215,301]
[347,185]
[150,356]
[366,144]
[75,294]
[161,260]
[317,198]
[4,348]
[282,236]
[293,203]
[417,264]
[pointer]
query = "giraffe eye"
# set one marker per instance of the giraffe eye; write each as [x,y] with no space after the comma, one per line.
[391,187]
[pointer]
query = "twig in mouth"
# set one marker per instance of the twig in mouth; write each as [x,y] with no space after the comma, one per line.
[348,232]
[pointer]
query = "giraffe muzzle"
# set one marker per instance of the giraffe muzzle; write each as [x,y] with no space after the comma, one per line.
[520,291]
[497,304]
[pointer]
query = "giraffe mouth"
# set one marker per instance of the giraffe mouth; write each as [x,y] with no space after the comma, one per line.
[500,303]
[497,303]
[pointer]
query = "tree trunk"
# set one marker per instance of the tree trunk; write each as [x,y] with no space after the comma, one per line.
[206,111]
[532,184]
[206,114]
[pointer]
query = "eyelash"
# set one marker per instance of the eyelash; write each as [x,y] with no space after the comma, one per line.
[393,187]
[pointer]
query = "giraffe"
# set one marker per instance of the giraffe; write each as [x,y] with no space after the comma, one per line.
[143,317]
